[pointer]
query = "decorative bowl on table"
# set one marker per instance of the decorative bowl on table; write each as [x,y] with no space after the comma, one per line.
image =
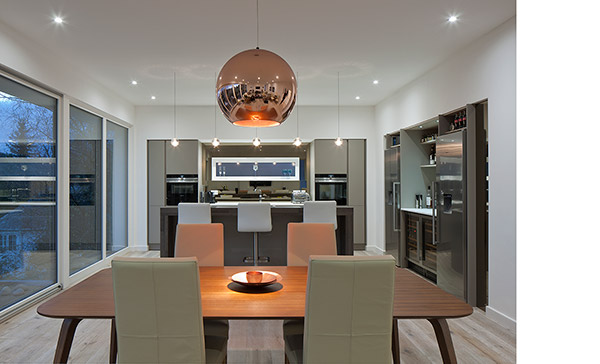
[259,278]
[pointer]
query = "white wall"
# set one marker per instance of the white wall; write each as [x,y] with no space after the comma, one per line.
[197,122]
[485,69]
[41,66]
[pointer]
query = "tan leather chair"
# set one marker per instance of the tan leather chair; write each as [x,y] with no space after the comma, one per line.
[349,311]
[305,239]
[203,241]
[158,321]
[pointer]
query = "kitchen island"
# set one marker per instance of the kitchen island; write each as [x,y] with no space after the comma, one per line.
[272,244]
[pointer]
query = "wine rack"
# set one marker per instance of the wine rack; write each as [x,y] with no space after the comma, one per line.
[420,238]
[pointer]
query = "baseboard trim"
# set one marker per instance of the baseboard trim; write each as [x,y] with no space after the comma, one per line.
[501,318]
[375,249]
[139,248]
[360,246]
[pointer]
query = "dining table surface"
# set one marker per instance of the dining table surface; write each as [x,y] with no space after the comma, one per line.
[414,298]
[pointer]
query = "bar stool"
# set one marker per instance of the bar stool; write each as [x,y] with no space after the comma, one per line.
[320,212]
[193,213]
[254,218]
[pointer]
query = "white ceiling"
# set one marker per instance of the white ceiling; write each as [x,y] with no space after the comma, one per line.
[116,41]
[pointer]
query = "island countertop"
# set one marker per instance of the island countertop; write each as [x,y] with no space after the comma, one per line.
[272,244]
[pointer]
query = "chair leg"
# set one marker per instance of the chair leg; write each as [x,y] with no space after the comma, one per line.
[255,250]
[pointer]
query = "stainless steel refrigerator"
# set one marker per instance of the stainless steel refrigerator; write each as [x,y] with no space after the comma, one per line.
[392,202]
[450,201]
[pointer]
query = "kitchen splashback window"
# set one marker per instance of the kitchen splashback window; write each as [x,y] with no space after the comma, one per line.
[28,121]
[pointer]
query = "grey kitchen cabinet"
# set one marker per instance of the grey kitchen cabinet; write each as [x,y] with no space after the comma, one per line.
[356,186]
[156,173]
[182,159]
[156,190]
[330,158]
[356,172]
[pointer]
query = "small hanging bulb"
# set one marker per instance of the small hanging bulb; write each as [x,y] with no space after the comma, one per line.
[297,142]
[174,142]
[256,142]
[216,142]
[339,141]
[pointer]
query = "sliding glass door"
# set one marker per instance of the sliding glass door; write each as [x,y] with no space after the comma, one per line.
[85,189]
[116,187]
[28,214]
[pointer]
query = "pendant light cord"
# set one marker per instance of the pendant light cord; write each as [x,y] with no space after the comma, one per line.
[338,104]
[297,109]
[256,24]
[174,106]
[215,106]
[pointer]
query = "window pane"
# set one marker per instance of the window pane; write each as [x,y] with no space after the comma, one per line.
[116,188]
[85,189]
[28,121]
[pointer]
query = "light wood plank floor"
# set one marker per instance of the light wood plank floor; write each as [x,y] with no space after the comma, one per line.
[31,338]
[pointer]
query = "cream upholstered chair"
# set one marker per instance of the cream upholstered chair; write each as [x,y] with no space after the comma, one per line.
[158,321]
[349,311]
[320,211]
[306,239]
[193,213]
[203,241]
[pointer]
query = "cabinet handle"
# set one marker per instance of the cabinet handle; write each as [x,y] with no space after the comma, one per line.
[434,207]
[395,205]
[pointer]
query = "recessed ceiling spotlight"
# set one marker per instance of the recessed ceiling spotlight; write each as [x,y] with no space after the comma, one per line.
[375,82]
[134,82]
[153,97]
[58,20]
[452,18]
[357,97]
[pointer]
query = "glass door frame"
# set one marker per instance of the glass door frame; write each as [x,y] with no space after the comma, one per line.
[64,277]
[59,218]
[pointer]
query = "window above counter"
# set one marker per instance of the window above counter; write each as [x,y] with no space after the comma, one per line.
[255,169]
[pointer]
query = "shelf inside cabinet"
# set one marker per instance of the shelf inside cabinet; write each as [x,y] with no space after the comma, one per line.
[432,141]
[427,165]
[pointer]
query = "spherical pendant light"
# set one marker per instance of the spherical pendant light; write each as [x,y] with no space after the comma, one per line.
[256,88]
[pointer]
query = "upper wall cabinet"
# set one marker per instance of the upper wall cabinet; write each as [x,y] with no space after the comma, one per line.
[329,158]
[182,159]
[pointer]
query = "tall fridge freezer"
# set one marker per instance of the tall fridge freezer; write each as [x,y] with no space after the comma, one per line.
[461,260]
[392,202]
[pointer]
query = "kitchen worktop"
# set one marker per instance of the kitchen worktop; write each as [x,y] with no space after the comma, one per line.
[428,212]
[273,244]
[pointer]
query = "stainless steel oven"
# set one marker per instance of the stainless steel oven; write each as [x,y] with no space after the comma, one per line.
[332,187]
[182,188]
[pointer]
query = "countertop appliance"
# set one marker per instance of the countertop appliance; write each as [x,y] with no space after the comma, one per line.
[181,188]
[392,202]
[332,187]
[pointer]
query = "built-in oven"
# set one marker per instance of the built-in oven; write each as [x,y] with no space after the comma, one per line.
[182,188]
[332,187]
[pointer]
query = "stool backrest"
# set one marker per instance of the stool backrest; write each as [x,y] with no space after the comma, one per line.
[254,217]
[193,213]
[203,241]
[320,211]
[306,239]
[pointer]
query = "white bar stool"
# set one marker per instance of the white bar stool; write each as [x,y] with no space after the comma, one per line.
[254,218]
[320,212]
[193,213]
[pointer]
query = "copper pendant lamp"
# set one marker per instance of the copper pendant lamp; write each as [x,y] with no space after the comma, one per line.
[256,88]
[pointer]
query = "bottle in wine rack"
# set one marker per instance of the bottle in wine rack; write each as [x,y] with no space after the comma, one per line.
[463,122]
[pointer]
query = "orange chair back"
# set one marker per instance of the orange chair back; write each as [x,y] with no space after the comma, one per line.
[306,239]
[203,241]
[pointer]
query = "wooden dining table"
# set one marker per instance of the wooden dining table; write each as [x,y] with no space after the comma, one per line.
[414,298]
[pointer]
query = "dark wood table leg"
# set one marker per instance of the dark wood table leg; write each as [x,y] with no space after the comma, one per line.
[113,342]
[442,333]
[395,342]
[65,339]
